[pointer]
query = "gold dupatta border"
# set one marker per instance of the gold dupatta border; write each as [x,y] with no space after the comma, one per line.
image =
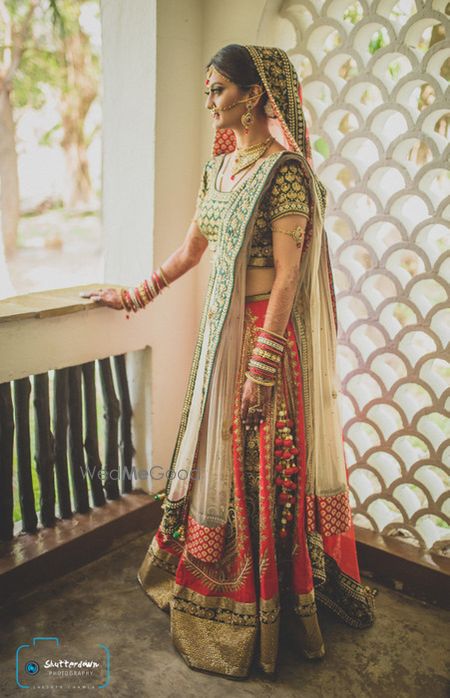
[280,80]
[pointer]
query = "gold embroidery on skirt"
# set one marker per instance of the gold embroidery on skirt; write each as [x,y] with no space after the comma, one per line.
[218,576]
[206,606]
[223,648]
[156,582]
[157,573]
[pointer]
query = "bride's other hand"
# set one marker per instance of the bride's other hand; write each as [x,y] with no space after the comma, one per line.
[254,403]
[108,297]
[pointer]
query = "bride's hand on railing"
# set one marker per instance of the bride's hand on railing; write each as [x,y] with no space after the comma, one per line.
[108,297]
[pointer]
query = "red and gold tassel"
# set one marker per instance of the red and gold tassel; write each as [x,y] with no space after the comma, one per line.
[286,469]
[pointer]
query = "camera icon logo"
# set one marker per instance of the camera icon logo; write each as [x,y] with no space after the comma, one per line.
[32,668]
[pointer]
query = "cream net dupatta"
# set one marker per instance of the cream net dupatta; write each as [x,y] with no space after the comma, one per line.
[207,443]
[314,308]
[204,455]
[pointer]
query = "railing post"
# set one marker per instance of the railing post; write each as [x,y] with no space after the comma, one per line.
[112,414]
[44,456]
[94,465]
[22,392]
[126,445]
[77,463]
[6,462]
[60,424]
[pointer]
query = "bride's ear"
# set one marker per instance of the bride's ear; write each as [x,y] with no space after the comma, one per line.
[255,91]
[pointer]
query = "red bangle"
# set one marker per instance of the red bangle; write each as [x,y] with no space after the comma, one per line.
[265,360]
[130,300]
[265,347]
[125,302]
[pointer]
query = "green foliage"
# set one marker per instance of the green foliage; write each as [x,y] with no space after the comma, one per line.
[57,18]
[43,62]
[322,147]
[354,13]
[394,69]
[47,138]
[38,70]
[376,42]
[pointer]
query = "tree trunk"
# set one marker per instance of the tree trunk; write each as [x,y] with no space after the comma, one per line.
[76,101]
[14,38]
[9,177]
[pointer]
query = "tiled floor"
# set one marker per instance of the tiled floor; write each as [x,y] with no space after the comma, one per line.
[403,655]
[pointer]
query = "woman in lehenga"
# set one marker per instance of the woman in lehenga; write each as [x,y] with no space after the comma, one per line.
[257,526]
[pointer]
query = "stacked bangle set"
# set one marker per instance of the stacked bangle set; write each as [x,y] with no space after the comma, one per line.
[266,357]
[142,295]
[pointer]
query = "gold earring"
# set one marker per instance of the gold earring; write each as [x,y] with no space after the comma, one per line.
[247,117]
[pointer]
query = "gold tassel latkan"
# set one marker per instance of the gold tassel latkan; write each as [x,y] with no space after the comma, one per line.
[178,534]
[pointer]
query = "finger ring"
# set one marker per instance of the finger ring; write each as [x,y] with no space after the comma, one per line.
[253,409]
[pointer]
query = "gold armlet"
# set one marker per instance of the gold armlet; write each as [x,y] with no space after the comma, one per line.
[297,234]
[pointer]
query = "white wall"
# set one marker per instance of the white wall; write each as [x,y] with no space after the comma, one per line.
[156,137]
[152,161]
[129,94]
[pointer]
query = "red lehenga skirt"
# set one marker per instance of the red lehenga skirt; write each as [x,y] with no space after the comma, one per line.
[275,568]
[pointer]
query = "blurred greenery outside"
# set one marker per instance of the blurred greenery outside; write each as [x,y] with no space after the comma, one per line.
[55,101]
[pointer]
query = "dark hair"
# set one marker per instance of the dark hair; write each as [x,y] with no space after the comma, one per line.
[235,62]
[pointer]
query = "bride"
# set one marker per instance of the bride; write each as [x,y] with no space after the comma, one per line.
[257,527]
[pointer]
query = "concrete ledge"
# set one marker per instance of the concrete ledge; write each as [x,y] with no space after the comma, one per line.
[404,567]
[31,559]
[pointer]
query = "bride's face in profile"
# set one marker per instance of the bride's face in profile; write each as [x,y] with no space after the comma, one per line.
[221,94]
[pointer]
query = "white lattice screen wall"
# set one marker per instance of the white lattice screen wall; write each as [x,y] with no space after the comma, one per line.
[375,80]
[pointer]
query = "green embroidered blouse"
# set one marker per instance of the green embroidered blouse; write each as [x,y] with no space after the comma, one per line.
[287,194]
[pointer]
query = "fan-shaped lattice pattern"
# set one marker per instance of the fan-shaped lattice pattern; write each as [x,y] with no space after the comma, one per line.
[375,85]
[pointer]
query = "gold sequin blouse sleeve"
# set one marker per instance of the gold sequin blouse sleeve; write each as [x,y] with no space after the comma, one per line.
[289,193]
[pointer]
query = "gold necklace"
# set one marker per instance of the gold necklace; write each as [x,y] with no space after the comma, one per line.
[247,156]
[222,174]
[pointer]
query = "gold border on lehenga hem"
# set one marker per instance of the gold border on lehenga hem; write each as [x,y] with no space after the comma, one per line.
[156,582]
[269,634]
[211,646]
[230,629]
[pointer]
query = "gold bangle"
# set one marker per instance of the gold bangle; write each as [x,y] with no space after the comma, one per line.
[272,333]
[143,294]
[163,276]
[267,355]
[272,343]
[152,288]
[257,380]
[133,301]
[262,366]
